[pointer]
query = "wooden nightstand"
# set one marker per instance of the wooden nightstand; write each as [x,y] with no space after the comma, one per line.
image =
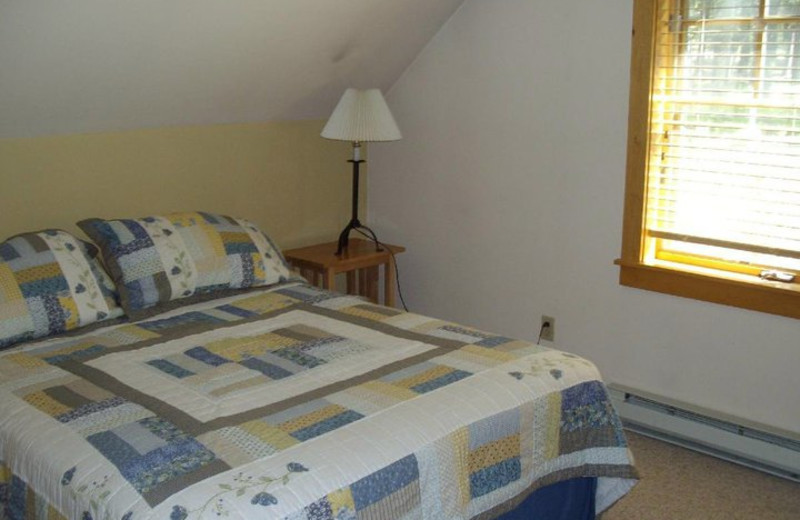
[360,261]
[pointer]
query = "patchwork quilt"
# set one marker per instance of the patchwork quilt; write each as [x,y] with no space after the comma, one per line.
[297,403]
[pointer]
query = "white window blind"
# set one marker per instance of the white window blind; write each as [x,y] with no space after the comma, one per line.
[723,180]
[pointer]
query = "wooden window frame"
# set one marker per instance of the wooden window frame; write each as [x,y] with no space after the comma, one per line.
[701,283]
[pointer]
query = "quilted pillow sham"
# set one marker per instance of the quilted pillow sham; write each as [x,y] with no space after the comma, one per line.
[51,282]
[183,256]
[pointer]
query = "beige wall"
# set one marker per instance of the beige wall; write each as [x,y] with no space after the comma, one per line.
[282,176]
[507,190]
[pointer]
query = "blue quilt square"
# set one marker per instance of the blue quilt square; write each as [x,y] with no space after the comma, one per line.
[119,452]
[494,477]
[178,455]
[206,356]
[319,510]
[209,217]
[384,482]
[249,269]
[440,381]
[90,408]
[44,287]
[306,294]
[56,314]
[268,369]
[239,248]
[7,252]
[236,311]
[76,355]
[16,494]
[137,231]
[137,290]
[183,320]
[583,394]
[170,368]
[493,341]
[296,355]
[324,426]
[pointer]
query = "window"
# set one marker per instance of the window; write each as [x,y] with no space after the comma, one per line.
[712,203]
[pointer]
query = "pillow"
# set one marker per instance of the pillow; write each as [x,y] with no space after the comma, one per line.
[51,282]
[183,256]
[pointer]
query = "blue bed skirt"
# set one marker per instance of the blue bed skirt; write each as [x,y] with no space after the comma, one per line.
[569,500]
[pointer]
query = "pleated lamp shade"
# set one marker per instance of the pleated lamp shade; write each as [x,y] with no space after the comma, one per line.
[362,116]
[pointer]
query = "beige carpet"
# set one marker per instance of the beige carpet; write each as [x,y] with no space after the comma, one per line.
[678,484]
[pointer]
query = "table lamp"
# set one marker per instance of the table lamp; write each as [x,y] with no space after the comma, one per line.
[361,116]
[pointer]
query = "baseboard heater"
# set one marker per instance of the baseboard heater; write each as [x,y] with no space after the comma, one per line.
[743,442]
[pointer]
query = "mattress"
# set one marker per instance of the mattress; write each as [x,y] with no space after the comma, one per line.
[298,403]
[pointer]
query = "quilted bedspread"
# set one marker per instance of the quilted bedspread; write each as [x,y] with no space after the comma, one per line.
[297,403]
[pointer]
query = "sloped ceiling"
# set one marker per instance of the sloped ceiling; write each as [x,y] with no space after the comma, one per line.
[100,65]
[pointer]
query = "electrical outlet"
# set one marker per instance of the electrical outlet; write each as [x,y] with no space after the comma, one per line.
[548,328]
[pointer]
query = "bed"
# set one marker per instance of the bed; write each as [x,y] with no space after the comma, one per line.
[282,400]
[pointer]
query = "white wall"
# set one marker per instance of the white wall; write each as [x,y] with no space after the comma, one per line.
[508,190]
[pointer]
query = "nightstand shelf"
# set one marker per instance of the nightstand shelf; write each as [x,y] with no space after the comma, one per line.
[360,262]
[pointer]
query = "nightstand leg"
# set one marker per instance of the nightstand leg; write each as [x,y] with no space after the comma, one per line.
[329,280]
[372,283]
[388,284]
[362,281]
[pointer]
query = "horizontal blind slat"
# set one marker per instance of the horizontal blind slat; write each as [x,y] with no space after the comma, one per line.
[754,237]
[782,204]
[740,101]
[789,224]
[733,165]
[687,183]
[729,244]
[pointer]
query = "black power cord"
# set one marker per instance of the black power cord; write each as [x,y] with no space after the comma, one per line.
[380,244]
[545,326]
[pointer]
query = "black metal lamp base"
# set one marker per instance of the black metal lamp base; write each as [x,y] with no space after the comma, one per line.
[354,223]
[345,235]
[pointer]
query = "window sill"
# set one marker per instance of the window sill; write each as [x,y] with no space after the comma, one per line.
[742,291]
